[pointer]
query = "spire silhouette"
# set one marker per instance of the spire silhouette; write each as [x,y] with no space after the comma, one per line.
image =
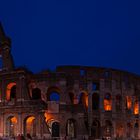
[5,51]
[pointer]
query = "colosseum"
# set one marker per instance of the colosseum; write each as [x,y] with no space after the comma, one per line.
[72,103]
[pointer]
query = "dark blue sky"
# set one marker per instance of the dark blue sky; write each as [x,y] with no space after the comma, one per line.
[47,33]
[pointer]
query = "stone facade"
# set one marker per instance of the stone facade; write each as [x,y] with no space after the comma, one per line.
[74,102]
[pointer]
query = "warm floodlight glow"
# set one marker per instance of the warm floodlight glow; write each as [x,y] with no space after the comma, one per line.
[107,105]
[128,102]
[83,99]
[107,102]
[48,117]
[86,100]
[30,119]
[136,107]
[29,125]
[8,90]
[13,120]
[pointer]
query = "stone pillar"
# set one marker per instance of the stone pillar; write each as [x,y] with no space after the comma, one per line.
[113,97]
[20,124]
[63,126]
[2,124]
[114,129]
[90,112]
[101,95]
[102,89]
[113,103]
[37,122]
[20,88]
[39,118]
[3,94]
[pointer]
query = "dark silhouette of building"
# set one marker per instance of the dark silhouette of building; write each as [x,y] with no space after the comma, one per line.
[74,102]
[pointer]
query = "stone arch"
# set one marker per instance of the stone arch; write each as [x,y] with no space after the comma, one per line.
[71,128]
[118,102]
[136,106]
[95,129]
[129,129]
[30,125]
[95,101]
[71,96]
[107,102]
[53,94]
[11,126]
[136,129]
[11,91]
[119,130]
[108,129]
[83,99]
[54,127]
[36,94]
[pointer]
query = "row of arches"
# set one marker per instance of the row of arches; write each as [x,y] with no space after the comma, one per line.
[30,127]
[54,128]
[118,100]
[53,94]
[107,130]
[120,129]
[12,126]
[131,104]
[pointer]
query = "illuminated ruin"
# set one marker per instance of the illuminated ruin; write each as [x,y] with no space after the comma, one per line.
[74,102]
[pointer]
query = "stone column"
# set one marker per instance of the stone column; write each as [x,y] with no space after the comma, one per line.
[102,89]
[90,107]
[2,124]
[20,88]
[20,123]
[37,122]
[3,90]
[114,128]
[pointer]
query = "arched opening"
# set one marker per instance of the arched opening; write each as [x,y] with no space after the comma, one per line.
[53,94]
[11,126]
[95,129]
[36,94]
[107,102]
[30,126]
[95,101]
[136,106]
[129,130]
[71,128]
[83,99]
[108,129]
[118,102]
[119,130]
[95,86]
[136,129]
[54,127]
[71,96]
[11,92]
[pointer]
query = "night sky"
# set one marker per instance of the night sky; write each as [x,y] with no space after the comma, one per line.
[47,33]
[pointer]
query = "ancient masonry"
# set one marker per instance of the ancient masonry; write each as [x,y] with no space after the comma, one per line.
[74,102]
